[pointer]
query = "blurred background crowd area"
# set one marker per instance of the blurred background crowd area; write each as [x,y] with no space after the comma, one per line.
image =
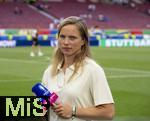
[106,14]
[106,19]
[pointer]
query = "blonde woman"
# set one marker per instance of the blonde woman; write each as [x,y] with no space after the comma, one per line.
[84,94]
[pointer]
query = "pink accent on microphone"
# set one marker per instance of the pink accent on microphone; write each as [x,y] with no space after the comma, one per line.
[53,98]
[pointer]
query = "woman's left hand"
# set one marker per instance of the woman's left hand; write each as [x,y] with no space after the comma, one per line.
[63,110]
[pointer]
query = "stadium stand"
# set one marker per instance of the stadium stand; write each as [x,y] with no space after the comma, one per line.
[28,19]
[122,22]
[118,16]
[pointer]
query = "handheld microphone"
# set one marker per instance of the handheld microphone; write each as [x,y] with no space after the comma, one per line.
[40,91]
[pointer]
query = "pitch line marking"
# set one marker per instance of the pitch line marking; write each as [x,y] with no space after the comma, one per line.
[128,76]
[113,69]
[21,61]
[128,70]
[21,80]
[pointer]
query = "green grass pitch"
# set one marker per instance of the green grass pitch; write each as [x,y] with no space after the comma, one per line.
[127,71]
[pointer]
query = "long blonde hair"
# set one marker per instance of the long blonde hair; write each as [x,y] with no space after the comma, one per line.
[85,50]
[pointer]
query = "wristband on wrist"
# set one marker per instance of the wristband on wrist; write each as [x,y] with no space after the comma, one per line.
[73,112]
